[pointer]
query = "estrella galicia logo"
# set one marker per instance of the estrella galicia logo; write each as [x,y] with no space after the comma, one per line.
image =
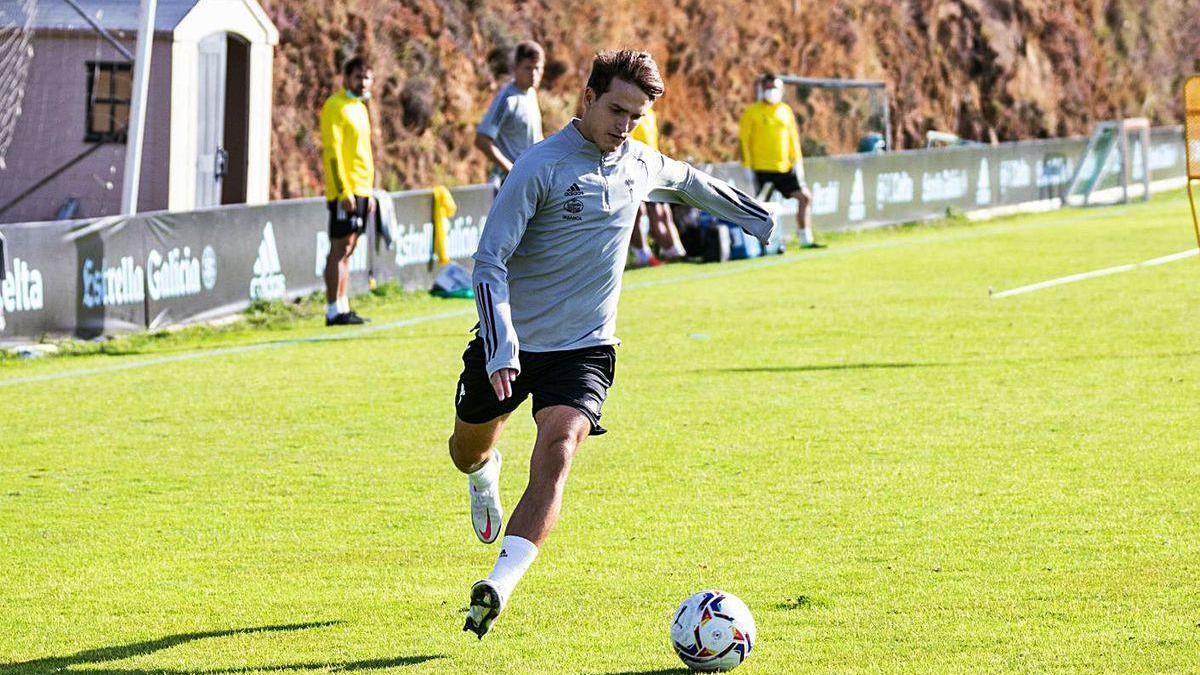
[574,206]
[574,191]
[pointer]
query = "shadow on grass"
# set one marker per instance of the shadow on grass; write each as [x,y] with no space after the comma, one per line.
[660,671]
[83,662]
[832,366]
[894,365]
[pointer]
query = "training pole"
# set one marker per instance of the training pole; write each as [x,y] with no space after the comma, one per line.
[1195,223]
[137,112]
[1191,142]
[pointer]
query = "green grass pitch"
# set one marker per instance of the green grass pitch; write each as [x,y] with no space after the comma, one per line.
[896,472]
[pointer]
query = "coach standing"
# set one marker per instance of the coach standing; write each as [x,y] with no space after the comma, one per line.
[349,180]
[770,144]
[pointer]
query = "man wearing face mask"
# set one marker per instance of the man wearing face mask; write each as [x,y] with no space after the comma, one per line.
[770,144]
[349,181]
[513,122]
[547,279]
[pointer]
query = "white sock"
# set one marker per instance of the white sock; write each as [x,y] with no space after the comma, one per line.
[486,475]
[642,255]
[331,310]
[806,237]
[516,555]
[343,304]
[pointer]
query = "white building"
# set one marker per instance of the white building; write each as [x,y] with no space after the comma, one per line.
[208,115]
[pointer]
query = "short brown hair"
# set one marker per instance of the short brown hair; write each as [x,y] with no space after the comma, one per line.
[528,49]
[355,64]
[630,65]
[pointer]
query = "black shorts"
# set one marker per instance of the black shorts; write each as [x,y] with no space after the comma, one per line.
[578,378]
[343,224]
[786,184]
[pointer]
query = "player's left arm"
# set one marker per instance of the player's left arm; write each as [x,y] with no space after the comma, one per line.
[793,137]
[680,183]
[796,156]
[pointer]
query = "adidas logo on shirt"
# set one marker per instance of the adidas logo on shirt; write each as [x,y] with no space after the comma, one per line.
[268,282]
[574,190]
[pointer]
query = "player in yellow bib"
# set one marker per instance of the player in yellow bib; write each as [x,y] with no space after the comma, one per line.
[770,144]
[662,224]
[349,180]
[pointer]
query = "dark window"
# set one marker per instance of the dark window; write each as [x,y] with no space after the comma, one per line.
[110,89]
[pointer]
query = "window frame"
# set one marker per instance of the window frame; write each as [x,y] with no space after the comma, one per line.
[111,134]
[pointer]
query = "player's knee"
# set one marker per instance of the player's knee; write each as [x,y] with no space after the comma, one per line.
[461,462]
[452,446]
[560,449]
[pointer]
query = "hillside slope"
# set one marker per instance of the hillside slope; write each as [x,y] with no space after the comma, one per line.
[986,69]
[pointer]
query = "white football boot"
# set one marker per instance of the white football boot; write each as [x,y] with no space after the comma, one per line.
[487,515]
[487,601]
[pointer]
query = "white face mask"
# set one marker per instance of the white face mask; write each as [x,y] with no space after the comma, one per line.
[773,95]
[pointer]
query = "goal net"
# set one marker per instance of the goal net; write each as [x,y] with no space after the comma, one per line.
[1115,164]
[16,28]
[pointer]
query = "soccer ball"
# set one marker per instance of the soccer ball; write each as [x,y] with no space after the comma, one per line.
[713,630]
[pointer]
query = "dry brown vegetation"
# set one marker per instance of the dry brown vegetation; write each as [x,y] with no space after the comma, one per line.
[986,69]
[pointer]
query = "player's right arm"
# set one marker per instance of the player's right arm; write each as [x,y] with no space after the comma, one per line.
[489,128]
[487,145]
[745,135]
[332,136]
[515,205]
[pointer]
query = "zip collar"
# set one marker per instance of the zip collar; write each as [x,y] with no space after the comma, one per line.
[588,148]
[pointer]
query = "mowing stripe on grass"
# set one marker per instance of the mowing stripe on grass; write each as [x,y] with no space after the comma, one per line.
[1095,273]
[239,349]
[747,266]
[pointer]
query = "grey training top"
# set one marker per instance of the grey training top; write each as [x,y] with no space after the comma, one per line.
[548,270]
[513,121]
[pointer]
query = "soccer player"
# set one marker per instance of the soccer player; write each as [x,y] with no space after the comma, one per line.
[771,149]
[662,224]
[513,122]
[547,278]
[349,180]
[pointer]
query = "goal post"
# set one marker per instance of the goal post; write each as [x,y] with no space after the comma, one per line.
[879,104]
[1116,157]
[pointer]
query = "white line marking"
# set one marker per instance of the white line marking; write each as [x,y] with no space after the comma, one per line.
[976,232]
[1095,273]
[344,334]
